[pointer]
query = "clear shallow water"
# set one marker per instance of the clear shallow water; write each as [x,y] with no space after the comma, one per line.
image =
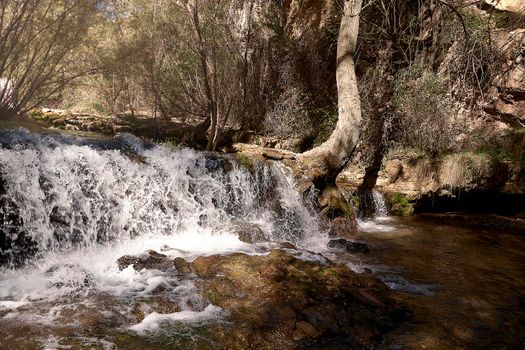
[464,284]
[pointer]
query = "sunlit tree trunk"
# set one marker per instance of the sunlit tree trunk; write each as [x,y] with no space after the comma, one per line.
[330,158]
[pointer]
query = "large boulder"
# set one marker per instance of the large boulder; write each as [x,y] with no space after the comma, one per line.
[279,301]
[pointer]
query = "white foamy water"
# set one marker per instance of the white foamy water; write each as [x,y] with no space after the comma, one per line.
[70,208]
[155,320]
[379,224]
[59,274]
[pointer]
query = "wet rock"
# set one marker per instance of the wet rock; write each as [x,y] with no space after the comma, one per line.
[281,302]
[16,245]
[215,162]
[287,245]
[183,267]
[160,303]
[349,246]
[342,227]
[249,233]
[149,260]
[334,204]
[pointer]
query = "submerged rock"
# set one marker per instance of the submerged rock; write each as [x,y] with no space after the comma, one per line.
[349,246]
[149,260]
[249,233]
[279,301]
[342,227]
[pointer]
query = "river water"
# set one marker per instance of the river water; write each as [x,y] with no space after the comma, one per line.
[70,207]
[465,284]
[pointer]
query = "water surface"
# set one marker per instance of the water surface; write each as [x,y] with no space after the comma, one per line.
[465,284]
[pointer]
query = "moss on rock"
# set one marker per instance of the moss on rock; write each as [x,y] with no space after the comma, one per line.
[279,301]
[401,206]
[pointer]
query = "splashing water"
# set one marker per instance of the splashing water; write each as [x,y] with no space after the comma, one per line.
[70,207]
[380,222]
[379,205]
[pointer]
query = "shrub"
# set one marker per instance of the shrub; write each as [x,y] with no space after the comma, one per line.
[288,116]
[422,111]
[401,205]
[465,169]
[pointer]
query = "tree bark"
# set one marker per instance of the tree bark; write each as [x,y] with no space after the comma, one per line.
[327,160]
[207,70]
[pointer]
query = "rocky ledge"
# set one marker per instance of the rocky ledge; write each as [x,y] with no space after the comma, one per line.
[277,301]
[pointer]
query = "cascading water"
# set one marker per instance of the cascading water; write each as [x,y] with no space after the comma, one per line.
[379,204]
[67,194]
[70,207]
[376,213]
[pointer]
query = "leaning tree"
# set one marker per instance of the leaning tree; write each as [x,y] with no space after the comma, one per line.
[327,160]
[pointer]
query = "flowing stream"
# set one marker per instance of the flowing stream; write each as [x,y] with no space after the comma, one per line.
[70,207]
[463,282]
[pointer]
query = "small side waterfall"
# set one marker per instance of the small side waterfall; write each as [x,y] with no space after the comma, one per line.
[374,213]
[372,205]
[380,207]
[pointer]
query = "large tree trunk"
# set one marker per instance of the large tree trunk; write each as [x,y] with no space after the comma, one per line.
[326,161]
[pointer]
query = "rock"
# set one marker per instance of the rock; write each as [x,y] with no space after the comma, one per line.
[183,267]
[287,245]
[516,6]
[59,122]
[399,209]
[393,169]
[307,329]
[150,260]
[160,303]
[215,162]
[342,227]
[507,97]
[280,302]
[16,244]
[334,204]
[349,246]
[277,154]
[249,233]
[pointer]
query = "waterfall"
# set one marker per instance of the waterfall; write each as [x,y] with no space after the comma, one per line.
[372,205]
[374,213]
[380,207]
[60,193]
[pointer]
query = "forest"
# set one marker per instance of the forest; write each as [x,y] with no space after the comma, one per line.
[249,174]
